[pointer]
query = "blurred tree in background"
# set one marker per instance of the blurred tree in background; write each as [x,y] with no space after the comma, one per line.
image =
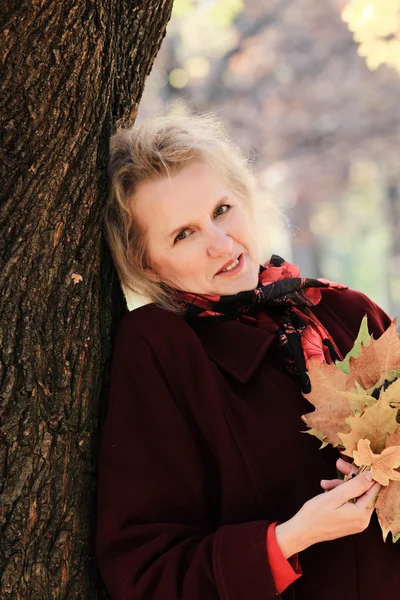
[298,95]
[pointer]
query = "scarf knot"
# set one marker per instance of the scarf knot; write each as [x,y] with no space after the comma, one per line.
[289,299]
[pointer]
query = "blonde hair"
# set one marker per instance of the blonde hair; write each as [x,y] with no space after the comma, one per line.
[151,150]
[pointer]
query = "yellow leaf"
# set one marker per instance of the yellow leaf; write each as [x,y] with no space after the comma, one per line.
[319,435]
[382,465]
[374,23]
[374,424]
[359,401]
[385,379]
[392,394]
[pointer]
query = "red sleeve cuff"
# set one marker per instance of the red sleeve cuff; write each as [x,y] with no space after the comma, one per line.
[284,571]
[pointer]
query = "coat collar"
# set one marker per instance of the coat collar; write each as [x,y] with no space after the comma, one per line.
[237,346]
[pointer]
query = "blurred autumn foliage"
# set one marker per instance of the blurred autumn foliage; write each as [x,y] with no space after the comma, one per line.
[376,26]
[299,95]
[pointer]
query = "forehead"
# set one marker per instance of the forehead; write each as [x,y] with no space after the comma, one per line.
[164,203]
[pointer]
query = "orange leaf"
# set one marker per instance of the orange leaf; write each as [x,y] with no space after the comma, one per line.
[377,359]
[374,424]
[382,465]
[335,398]
[388,510]
[388,502]
[347,413]
[393,439]
[76,277]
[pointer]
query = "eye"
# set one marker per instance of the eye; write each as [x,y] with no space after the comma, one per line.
[221,210]
[181,236]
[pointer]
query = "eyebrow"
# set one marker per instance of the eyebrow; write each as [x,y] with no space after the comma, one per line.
[182,227]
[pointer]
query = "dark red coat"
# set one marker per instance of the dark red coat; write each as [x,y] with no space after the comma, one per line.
[202,450]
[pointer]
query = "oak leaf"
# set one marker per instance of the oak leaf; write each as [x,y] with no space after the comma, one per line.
[373,424]
[382,465]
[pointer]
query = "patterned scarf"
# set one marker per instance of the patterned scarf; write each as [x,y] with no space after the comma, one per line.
[288,298]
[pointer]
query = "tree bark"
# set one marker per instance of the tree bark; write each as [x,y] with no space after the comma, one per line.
[72,70]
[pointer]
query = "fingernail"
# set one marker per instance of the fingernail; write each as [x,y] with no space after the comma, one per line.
[324,480]
[368,475]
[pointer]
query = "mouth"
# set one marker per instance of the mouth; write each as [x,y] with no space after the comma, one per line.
[232,267]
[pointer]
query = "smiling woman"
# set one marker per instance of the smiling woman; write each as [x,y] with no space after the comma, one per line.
[199,238]
[164,230]
[207,487]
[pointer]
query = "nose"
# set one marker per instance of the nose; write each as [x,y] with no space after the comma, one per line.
[219,243]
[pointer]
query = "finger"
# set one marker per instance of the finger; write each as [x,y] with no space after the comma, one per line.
[353,488]
[330,484]
[367,500]
[345,467]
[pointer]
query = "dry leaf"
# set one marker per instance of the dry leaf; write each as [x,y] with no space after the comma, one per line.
[319,435]
[347,413]
[331,404]
[363,337]
[388,502]
[388,510]
[382,465]
[392,394]
[377,359]
[358,401]
[374,424]
[393,439]
[76,277]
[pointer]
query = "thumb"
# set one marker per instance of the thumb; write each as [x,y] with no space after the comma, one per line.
[353,488]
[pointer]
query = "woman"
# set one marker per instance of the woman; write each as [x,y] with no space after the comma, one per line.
[207,487]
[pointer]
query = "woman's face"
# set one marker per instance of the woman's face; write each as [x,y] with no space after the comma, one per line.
[200,236]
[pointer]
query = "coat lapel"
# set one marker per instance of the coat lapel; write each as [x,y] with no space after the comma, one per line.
[237,346]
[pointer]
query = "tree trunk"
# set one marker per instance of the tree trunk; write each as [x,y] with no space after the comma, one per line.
[71,71]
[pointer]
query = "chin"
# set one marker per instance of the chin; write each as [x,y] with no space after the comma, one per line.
[243,284]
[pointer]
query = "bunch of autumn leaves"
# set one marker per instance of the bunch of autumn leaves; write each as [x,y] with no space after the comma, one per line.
[357,405]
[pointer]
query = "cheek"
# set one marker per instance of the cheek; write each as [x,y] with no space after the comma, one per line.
[247,235]
[164,266]
[242,227]
[180,264]
[158,260]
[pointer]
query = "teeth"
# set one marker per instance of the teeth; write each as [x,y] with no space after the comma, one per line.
[231,266]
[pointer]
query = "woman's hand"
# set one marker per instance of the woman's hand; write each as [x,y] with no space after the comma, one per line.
[330,515]
[348,469]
